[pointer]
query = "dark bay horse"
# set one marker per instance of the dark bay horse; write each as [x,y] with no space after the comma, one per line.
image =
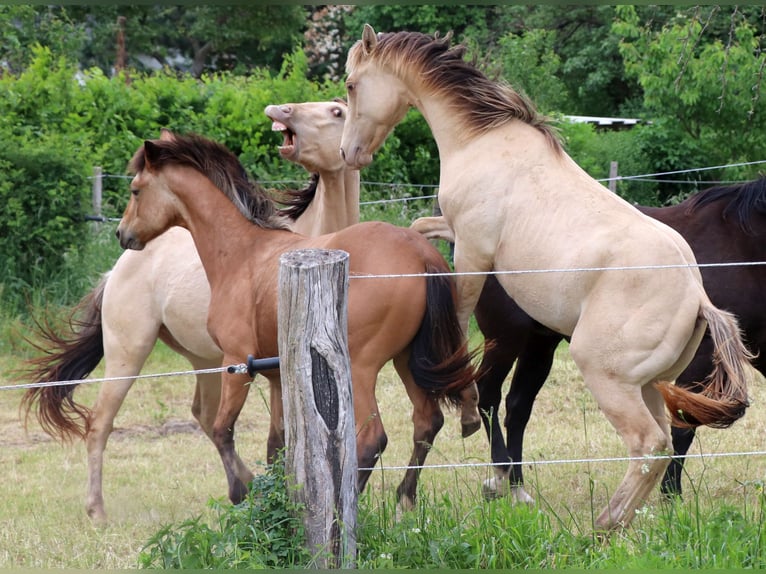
[623,286]
[192,182]
[722,224]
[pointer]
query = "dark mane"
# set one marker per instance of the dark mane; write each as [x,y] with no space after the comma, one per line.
[297,201]
[221,167]
[743,200]
[481,103]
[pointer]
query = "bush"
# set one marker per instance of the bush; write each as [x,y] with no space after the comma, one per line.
[264,531]
[44,192]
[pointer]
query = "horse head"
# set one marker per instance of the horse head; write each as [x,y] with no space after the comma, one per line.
[151,209]
[377,100]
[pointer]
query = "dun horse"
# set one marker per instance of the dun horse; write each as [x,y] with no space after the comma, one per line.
[515,200]
[161,292]
[198,184]
[722,224]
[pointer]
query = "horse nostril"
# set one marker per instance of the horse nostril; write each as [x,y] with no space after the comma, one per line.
[117,234]
[342,154]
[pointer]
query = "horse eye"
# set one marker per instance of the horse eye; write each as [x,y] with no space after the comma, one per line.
[134,191]
[349,86]
[337,112]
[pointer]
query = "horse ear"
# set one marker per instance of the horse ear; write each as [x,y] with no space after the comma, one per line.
[369,39]
[167,135]
[151,153]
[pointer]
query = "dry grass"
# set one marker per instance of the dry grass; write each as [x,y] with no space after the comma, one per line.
[159,468]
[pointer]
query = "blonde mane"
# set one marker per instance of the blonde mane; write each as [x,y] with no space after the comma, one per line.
[480,103]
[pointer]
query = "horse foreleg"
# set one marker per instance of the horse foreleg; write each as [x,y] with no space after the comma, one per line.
[671,480]
[234,391]
[207,397]
[495,366]
[532,369]
[427,421]
[433,228]
[469,288]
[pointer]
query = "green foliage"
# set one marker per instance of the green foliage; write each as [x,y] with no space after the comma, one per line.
[192,38]
[43,192]
[531,66]
[594,150]
[264,531]
[701,76]
[25,26]
[448,531]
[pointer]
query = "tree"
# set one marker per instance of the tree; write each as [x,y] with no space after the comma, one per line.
[701,75]
[194,39]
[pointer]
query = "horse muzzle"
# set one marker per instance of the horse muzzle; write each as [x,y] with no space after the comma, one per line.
[128,240]
[357,159]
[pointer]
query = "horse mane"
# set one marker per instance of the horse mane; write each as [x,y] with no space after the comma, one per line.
[297,201]
[221,167]
[480,103]
[742,201]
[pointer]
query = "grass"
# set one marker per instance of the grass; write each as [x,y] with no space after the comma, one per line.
[160,469]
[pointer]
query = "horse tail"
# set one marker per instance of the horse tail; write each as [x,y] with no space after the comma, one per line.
[721,399]
[440,361]
[66,358]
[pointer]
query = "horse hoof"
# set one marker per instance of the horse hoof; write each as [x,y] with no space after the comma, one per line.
[521,496]
[470,427]
[494,488]
[97,516]
[489,489]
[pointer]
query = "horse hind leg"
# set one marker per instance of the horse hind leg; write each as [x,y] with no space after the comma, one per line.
[110,399]
[638,414]
[371,438]
[427,420]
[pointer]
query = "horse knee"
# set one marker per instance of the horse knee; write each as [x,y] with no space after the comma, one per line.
[427,426]
[370,448]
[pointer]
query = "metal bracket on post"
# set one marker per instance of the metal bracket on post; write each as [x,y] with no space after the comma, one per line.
[253,366]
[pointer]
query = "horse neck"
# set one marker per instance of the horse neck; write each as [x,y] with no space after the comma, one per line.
[221,234]
[335,205]
[446,131]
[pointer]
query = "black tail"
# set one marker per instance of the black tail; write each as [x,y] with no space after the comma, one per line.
[66,358]
[440,361]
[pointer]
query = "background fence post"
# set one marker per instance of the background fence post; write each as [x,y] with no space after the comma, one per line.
[97,190]
[320,453]
[613,177]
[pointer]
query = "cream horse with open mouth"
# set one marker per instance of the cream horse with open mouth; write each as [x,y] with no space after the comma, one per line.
[623,286]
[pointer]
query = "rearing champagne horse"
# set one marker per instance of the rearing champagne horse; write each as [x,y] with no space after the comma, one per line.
[515,200]
[195,183]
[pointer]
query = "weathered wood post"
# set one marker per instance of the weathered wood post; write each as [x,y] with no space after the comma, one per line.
[97,191]
[320,453]
[613,176]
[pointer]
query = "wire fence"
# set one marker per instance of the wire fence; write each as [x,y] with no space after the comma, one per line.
[651,177]
[656,177]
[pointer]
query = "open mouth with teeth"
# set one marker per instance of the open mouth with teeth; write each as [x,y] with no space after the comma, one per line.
[287,148]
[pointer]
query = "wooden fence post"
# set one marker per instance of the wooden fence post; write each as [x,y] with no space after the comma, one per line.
[97,190]
[320,453]
[613,177]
